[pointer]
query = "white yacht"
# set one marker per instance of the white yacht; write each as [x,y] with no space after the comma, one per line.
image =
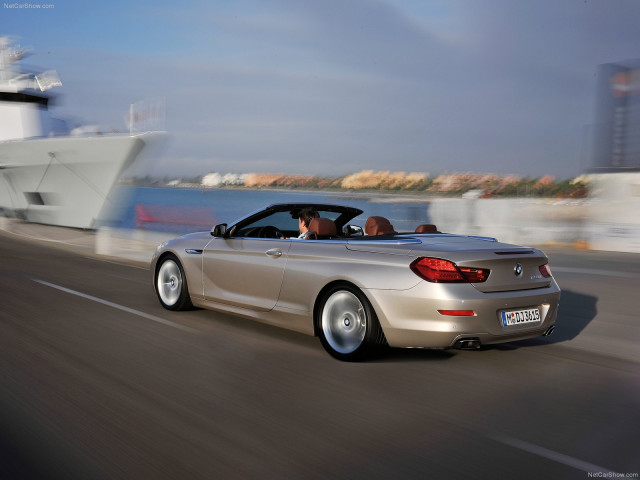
[49,174]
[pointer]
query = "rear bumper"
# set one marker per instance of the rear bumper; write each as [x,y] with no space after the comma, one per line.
[410,318]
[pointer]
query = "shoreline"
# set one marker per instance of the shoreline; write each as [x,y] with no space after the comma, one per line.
[377,196]
[369,182]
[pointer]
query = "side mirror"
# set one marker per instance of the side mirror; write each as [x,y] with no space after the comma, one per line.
[219,230]
[353,231]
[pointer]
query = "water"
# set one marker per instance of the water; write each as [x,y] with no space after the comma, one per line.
[183,210]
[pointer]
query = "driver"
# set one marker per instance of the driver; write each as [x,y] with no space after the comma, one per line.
[304,219]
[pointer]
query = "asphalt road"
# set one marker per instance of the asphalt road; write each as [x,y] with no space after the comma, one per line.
[98,381]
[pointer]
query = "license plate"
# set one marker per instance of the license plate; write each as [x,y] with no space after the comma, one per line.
[517,317]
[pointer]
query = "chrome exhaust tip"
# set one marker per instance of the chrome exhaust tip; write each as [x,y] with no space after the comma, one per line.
[467,344]
[549,330]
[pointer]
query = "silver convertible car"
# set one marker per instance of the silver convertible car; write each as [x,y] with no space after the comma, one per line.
[361,289]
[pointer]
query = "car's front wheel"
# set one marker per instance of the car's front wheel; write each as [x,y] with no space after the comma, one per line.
[347,324]
[171,284]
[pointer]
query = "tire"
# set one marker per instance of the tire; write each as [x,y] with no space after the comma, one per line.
[171,284]
[347,324]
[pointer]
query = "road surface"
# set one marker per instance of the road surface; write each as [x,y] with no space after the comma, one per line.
[98,381]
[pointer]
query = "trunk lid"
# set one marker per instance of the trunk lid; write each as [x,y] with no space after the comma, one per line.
[511,270]
[512,267]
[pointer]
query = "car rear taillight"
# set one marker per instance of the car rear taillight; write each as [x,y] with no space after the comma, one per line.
[474,275]
[545,270]
[437,270]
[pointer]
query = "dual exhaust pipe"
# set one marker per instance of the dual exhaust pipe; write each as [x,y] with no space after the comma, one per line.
[473,343]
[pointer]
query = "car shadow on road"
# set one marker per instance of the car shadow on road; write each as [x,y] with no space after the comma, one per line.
[577,310]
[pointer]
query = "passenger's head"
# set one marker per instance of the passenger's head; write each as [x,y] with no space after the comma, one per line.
[304,218]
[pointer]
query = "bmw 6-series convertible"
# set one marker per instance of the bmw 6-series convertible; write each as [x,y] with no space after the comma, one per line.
[361,289]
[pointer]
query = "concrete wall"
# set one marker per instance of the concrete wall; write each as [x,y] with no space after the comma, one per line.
[521,221]
[613,218]
[608,220]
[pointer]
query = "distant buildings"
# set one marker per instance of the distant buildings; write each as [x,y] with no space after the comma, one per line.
[215,179]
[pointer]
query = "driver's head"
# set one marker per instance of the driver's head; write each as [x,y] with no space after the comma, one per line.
[304,218]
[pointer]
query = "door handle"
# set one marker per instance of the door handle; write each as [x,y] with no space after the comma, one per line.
[274,252]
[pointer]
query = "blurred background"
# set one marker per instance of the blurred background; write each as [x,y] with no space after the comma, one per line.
[334,88]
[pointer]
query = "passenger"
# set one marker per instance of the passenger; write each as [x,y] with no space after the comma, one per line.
[304,218]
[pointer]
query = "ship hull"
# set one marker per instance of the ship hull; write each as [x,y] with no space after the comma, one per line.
[63,180]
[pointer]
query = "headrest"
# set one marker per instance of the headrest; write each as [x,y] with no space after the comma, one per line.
[323,227]
[426,228]
[377,226]
[381,229]
[376,220]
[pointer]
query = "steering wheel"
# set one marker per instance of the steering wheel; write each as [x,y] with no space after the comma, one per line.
[270,231]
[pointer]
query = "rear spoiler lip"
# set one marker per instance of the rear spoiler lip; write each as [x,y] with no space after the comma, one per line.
[527,251]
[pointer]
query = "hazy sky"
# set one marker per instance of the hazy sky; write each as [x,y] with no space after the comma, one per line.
[336,86]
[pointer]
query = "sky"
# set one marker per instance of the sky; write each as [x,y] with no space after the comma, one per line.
[331,87]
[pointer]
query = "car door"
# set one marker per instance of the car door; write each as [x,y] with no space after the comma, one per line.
[245,272]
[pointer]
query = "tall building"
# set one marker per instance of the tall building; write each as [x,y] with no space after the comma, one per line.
[616,134]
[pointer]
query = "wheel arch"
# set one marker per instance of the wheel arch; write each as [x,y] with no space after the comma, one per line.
[181,261]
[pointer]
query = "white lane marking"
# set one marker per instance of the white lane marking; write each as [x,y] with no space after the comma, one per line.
[119,307]
[551,455]
[592,271]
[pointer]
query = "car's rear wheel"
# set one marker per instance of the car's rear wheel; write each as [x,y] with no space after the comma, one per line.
[171,284]
[347,324]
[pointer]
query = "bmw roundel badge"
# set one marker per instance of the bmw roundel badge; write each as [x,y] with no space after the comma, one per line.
[517,269]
